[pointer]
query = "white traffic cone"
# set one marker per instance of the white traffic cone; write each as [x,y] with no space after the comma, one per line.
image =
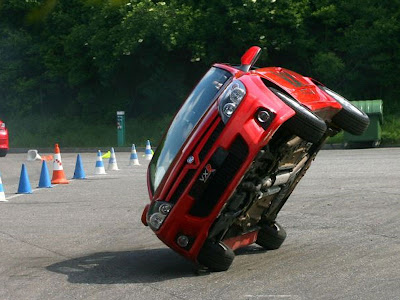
[148,152]
[99,165]
[134,161]
[33,155]
[2,195]
[112,162]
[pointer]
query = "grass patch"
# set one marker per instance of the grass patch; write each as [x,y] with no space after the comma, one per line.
[391,130]
[34,132]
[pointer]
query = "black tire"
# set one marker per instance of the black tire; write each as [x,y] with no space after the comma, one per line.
[304,123]
[309,129]
[217,257]
[3,153]
[349,118]
[271,237]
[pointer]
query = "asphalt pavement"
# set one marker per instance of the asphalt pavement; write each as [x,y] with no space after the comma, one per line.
[85,240]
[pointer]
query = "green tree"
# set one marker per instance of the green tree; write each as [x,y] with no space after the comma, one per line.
[93,57]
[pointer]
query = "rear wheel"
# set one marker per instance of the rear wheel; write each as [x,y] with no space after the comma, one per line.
[3,153]
[216,256]
[271,237]
[349,118]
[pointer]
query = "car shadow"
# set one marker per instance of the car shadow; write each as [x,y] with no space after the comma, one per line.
[137,266]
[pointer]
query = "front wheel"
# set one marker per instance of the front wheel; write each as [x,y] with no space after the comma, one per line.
[304,123]
[216,256]
[271,237]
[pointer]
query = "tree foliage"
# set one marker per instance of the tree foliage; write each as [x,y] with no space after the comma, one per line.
[89,58]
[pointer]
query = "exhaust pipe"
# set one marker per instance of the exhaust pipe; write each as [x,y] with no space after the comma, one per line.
[283,178]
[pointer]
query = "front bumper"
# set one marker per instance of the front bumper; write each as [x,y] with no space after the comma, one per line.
[222,153]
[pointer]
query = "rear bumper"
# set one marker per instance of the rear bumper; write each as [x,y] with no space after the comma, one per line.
[4,144]
[4,140]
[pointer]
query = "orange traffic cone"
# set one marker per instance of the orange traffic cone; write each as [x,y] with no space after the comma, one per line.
[58,171]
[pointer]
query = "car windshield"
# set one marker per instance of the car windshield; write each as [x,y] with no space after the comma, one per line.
[184,122]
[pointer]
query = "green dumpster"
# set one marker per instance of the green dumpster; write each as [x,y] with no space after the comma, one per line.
[372,136]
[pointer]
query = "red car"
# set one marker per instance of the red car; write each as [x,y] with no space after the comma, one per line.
[233,154]
[4,147]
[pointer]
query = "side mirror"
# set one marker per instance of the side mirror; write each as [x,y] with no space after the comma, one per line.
[249,58]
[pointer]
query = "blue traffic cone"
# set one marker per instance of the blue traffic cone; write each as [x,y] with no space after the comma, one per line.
[79,173]
[24,186]
[44,181]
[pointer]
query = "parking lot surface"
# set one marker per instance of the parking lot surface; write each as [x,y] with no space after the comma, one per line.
[85,240]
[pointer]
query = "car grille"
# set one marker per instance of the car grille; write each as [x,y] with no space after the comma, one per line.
[182,186]
[207,194]
[203,153]
[211,141]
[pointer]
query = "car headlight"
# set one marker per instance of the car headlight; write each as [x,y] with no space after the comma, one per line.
[230,99]
[157,213]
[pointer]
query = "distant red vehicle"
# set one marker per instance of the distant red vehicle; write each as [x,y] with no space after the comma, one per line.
[4,146]
[233,154]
